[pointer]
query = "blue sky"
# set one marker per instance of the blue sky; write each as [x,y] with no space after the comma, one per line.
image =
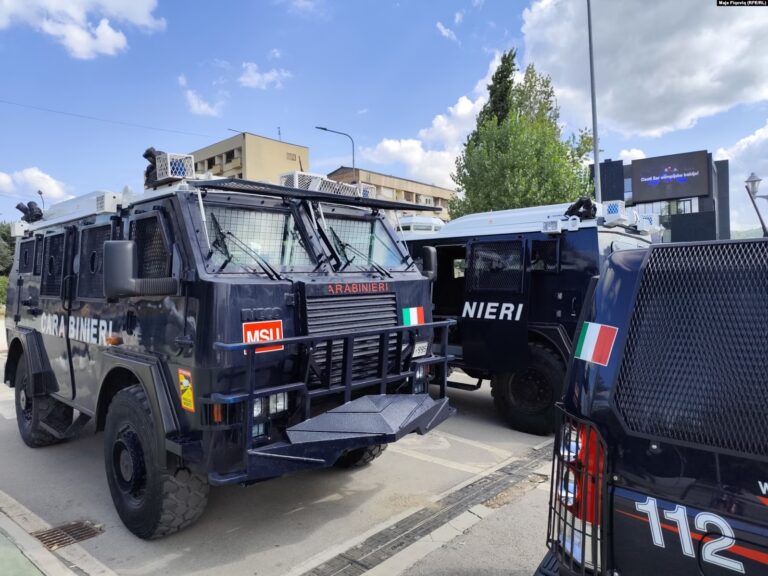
[404,77]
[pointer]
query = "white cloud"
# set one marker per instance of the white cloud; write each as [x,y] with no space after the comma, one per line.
[275,54]
[458,18]
[252,78]
[83,27]
[197,104]
[25,184]
[478,3]
[632,154]
[304,7]
[446,32]
[362,112]
[749,154]
[432,156]
[657,70]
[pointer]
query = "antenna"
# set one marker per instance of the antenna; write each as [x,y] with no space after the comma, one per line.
[279,134]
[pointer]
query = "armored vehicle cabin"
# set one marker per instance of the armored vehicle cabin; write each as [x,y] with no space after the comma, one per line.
[516,280]
[218,331]
[661,459]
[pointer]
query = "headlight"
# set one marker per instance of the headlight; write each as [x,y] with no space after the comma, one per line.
[278,402]
[258,407]
[569,443]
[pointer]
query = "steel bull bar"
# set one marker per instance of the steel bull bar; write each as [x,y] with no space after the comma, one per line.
[317,442]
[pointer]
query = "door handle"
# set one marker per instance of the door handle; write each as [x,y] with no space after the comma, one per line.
[573,306]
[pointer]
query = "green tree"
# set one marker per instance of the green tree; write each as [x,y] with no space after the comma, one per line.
[517,157]
[6,248]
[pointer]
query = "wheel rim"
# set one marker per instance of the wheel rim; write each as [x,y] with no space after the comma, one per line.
[128,465]
[531,392]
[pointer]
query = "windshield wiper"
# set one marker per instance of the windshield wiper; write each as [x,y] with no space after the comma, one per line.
[344,245]
[219,243]
[263,263]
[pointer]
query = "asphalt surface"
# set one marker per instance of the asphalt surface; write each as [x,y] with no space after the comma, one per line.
[283,525]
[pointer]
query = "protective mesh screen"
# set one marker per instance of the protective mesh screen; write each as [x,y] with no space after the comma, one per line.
[694,363]
[497,266]
[26,256]
[50,284]
[368,239]
[154,257]
[90,278]
[38,256]
[272,235]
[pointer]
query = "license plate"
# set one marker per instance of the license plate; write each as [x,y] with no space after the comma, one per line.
[420,349]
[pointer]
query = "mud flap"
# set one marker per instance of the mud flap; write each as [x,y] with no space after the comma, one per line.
[319,441]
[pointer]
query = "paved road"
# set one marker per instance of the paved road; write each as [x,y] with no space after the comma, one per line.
[270,528]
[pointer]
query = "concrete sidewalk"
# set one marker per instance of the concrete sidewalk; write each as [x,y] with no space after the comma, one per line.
[12,561]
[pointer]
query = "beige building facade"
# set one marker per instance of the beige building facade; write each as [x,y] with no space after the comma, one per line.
[400,189]
[252,157]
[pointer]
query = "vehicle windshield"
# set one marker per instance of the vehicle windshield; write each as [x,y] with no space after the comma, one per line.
[247,239]
[364,243]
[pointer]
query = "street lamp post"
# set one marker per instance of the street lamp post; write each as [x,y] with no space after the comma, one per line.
[752,184]
[354,172]
[595,139]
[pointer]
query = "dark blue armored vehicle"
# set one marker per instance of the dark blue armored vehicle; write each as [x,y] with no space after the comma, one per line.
[661,457]
[218,331]
[515,281]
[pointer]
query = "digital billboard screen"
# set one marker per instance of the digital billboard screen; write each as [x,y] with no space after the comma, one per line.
[668,177]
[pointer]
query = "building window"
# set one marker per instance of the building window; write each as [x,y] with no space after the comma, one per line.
[291,156]
[229,156]
[210,163]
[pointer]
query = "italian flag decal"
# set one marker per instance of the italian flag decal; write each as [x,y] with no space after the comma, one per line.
[596,342]
[413,316]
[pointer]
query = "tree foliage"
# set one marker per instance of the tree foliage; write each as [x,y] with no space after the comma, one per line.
[6,248]
[516,156]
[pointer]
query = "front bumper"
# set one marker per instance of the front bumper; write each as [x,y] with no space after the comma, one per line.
[318,442]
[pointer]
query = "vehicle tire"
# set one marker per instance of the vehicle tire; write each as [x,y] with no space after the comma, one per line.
[32,410]
[151,501]
[526,399]
[360,456]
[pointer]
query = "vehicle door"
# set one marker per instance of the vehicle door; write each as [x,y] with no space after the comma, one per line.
[494,315]
[89,326]
[54,304]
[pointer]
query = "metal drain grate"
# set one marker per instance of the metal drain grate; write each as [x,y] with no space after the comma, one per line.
[60,536]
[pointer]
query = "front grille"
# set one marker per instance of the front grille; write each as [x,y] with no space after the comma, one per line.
[577,502]
[694,363]
[335,314]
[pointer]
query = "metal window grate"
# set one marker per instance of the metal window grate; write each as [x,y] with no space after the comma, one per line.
[357,233]
[496,266]
[694,363]
[38,256]
[90,278]
[53,265]
[72,533]
[271,234]
[26,256]
[154,257]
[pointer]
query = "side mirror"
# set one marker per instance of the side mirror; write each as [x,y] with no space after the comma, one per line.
[121,266]
[429,262]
